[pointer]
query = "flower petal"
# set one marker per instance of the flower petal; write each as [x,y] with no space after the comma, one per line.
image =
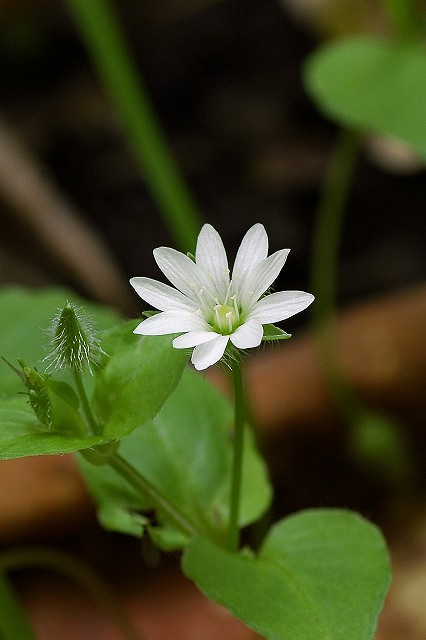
[210,256]
[193,339]
[209,353]
[171,322]
[253,249]
[181,271]
[280,306]
[248,335]
[261,277]
[160,295]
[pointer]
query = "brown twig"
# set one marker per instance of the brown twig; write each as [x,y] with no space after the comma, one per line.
[57,226]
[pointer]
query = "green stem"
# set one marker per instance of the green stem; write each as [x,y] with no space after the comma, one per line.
[85,404]
[237,464]
[405,18]
[135,479]
[329,223]
[75,571]
[99,27]
[325,260]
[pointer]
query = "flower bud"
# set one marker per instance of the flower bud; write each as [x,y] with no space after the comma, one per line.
[74,341]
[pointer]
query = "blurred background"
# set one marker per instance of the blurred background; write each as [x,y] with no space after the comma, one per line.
[225,80]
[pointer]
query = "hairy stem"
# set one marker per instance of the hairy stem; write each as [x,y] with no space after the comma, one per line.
[94,427]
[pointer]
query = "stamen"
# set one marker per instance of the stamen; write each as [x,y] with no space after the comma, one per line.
[228,291]
[234,300]
[216,310]
[228,316]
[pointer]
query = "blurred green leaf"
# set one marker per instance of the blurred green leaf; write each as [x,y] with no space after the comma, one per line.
[378,441]
[373,85]
[320,574]
[186,453]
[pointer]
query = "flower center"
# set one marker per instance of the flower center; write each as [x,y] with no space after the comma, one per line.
[226,318]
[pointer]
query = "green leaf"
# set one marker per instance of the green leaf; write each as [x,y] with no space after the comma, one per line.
[186,453]
[24,316]
[272,333]
[139,376]
[373,85]
[21,434]
[320,574]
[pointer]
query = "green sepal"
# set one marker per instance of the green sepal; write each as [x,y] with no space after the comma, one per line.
[37,392]
[54,402]
[272,333]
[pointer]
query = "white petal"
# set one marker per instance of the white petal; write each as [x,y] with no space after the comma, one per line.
[261,277]
[279,306]
[171,322]
[160,295]
[209,353]
[253,249]
[181,271]
[210,256]
[193,339]
[248,335]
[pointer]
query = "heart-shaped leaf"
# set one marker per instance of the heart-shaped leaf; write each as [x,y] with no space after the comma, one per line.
[320,574]
[373,85]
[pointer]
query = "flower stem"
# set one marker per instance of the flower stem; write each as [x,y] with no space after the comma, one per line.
[237,463]
[326,249]
[86,404]
[329,223]
[99,27]
[142,484]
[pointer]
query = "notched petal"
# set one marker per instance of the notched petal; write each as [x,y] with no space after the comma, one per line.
[193,339]
[253,249]
[211,257]
[170,322]
[248,335]
[161,296]
[180,270]
[280,306]
[207,354]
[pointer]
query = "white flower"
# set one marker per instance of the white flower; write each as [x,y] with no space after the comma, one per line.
[208,307]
